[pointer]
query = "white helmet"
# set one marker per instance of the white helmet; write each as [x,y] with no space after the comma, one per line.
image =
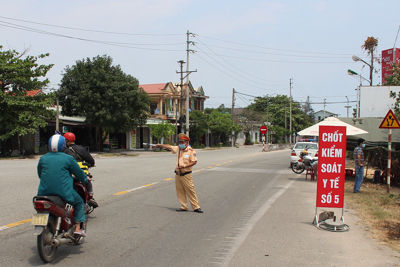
[57,143]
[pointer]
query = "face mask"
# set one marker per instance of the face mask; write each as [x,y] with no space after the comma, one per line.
[182,146]
[363,145]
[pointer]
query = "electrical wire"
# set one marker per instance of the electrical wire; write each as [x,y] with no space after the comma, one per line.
[232,64]
[275,54]
[127,45]
[227,73]
[97,31]
[281,61]
[263,47]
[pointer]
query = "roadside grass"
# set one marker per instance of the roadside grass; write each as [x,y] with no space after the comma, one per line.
[378,210]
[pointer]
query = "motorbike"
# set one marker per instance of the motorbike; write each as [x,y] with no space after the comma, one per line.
[305,162]
[54,221]
[54,224]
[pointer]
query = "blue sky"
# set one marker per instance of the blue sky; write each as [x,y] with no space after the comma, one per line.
[253,46]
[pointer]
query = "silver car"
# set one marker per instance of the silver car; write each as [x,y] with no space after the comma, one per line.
[312,149]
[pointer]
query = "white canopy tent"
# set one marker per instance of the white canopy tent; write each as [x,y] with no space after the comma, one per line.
[331,121]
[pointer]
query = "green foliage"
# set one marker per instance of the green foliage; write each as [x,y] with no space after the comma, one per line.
[104,94]
[198,125]
[394,80]
[221,125]
[278,106]
[221,109]
[21,114]
[248,141]
[164,129]
[197,145]
[308,110]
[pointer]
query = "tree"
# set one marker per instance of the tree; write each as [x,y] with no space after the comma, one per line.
[221,125]
[162,130]
[221,109]
[104,94]
[21,114]
[370,46]
[198,125]
[394,80]
[308,110]
[249,119]
[278,110]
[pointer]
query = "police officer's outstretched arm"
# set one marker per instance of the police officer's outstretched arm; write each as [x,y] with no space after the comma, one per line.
[166,146]
[76,170]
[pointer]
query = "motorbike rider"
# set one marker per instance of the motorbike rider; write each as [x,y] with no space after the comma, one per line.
[54,170]
[81,155]
[304,152]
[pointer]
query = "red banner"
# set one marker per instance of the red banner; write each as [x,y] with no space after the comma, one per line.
[331,166]
[388,56]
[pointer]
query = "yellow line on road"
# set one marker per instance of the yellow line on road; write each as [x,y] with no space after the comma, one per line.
[209,167]
[217,164]
[148,184]
[121,193]
[18,223]
[168,179]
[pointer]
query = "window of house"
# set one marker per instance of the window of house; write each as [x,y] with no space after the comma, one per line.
[153,107]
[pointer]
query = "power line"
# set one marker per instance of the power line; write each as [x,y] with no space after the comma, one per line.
[232,64]
[126,45]
[80,29]
[281,61]
[275,54]
[263,47]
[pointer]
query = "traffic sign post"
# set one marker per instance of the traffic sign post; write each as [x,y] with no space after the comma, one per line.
[389,122]
[263,131]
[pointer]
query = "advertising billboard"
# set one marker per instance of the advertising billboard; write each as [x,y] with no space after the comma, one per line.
[387,60]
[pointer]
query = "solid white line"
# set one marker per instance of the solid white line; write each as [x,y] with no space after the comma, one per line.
[140,187]
[252,222]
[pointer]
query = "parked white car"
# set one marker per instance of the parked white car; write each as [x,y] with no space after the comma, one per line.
[312,149]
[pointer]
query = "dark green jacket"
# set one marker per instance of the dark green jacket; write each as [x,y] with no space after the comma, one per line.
[55,171]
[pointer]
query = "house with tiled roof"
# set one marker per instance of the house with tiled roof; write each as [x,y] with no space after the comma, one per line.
[166,99]
[34,92]
[165,106]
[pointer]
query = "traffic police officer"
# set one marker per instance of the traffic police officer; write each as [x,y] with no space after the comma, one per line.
[185,160]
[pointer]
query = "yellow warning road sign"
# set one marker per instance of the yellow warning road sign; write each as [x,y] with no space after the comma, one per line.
[390,121]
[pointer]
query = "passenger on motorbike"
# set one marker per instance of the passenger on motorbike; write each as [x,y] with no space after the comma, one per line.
[54,170]
[81,155]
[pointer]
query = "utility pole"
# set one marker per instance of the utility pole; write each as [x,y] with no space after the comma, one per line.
[347,107]
[187,78]
[324,107]
[267,118]
[181,62]
[290,110]
[285,125]
[58,115]
[233,107]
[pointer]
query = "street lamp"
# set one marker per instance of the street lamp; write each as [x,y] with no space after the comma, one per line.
[352,72]
[371,68]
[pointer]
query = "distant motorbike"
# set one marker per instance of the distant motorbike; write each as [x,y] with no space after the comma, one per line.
[54,224]
[305,162]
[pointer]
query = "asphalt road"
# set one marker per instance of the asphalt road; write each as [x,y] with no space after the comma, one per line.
[257,212]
